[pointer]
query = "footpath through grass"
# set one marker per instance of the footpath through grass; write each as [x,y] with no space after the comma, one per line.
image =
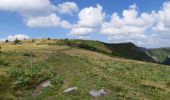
[87,70]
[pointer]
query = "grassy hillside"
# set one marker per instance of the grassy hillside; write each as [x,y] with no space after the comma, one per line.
[161,55]
[67,66]
[124,50]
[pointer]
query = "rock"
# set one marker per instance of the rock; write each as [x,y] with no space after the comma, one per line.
[98,93]
[70,89]
[41,86]
[46,84]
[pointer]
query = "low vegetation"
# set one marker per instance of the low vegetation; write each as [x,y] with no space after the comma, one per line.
[74,65]
[16,41]
[161,55]
[123,50]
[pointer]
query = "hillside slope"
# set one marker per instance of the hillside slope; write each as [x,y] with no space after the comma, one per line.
[68,66]
[123,50]
[161,55]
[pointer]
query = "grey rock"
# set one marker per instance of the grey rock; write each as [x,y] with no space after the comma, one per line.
[70,89]
[46,84]
[98,93]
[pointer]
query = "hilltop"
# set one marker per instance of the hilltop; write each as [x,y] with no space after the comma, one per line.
[124,70]
[123,50]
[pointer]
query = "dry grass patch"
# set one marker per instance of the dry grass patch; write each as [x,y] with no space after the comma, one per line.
[156,85]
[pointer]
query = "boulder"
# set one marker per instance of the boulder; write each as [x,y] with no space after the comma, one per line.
[98,93]
[70,89]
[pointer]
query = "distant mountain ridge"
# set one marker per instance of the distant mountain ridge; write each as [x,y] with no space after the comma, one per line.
[161,55]
[124,50]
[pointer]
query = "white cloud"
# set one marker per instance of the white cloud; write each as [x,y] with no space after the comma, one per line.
[82,31]
[91,16]
[35,13]
[2,40]
[17,36]
[67,8]
[90,19]
[47,21]
[27,7]
[160,27]
[150,41]
[130,23]
[137,28]
[163,19]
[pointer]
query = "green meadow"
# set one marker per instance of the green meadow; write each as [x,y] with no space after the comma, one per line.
[87,67]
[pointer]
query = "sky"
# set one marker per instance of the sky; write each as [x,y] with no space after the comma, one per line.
[146,23]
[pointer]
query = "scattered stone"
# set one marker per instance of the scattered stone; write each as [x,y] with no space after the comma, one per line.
[46,84]
[40,87]
[98,93]
[70,89]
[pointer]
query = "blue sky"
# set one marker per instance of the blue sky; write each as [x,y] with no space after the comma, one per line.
[143,22]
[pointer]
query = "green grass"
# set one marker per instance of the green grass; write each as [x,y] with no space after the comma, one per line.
[123,50]
[71,66]
[87,44]
[160,54]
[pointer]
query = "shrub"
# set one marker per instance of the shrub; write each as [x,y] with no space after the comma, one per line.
[16,41]
[35,71]
[16,72]
[21,81]
[20,77]
[6,40]
[33,40]
[28,78]
[48,39]
[58,81]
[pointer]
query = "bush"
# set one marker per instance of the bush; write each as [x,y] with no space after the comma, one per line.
[16,41]
[20,78]
[6,40]
[48,39]
[26,78]
[35,71]
[33,40]
[58,81]
[16,72]
[21,81]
